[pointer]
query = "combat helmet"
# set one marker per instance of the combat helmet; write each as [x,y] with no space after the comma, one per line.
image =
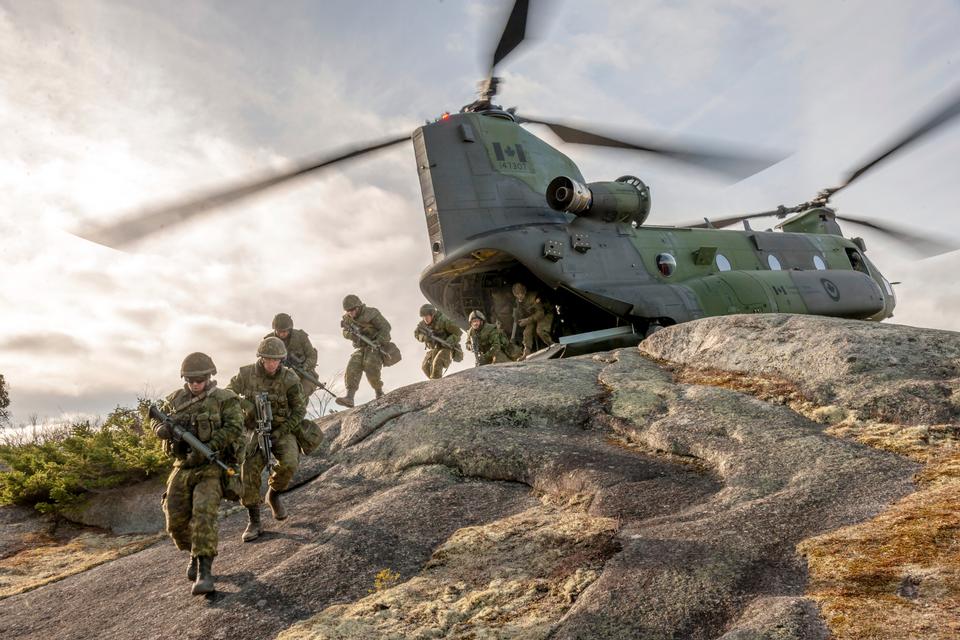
[428,310]
[351,302]
[282,322]
[197,365]
[476,315]
[272,348]
[519,289]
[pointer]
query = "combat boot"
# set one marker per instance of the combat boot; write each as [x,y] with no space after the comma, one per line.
[276,507]
[347,400]
[379,392]
[252,532]
[204,583]
[192,569]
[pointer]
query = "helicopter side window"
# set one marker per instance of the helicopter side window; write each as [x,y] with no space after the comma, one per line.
[819,263]
[774,263]
[722,263]
[856,261]
[666,264]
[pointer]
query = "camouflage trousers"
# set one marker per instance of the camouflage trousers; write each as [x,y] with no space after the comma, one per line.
[492,357]
[308,388]
[540,329]
[364,360]
[436,361]
[193,498]
[286,458]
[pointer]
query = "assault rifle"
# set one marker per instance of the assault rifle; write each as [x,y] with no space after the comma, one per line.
[475,343]
[430,335]
[180,433]
[354,329]
[261,403]
[297,366]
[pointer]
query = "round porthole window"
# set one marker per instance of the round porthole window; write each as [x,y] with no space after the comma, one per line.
[666,264]
[819,263]
[774,263]
[722,263]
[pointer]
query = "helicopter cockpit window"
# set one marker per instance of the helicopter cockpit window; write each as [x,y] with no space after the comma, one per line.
[773,263]
[856,261]
[722,263]
[819,263]
[666,264]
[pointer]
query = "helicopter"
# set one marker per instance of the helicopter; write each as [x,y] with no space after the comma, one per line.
[503,206]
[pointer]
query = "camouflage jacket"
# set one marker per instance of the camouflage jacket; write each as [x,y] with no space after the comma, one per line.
[299,348]
[283,389]
[487,340]
[442,327]
[372,325]
[216,420]
[530,309]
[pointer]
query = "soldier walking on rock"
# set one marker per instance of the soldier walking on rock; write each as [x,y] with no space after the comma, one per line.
[438,356]
[300,350]
[533,316]
[288,405]
[487,341]
[194,487]
[366,359]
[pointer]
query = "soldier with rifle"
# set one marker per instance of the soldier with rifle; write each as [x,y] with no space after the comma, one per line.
[370,333]
[202,429]
[273,421]
[300,350]
[486,340]
[441,338]
[532,317]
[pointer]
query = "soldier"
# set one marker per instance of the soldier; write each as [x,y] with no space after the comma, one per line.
[365,359]
[288,405]
[299,349]
[532,315]
[486,340]
[438,357]
[194,487]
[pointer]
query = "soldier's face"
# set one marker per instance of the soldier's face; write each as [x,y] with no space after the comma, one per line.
[476,322]
[197,385]
[353,312]
[270,364]
[427,319]
[283,334]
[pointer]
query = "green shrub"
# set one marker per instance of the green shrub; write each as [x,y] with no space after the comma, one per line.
[57,468]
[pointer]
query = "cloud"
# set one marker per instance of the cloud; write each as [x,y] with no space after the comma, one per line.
[45,345]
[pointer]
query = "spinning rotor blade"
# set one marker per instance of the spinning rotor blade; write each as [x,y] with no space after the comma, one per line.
[943,115]
[151,221]
[924,246]
[726,162]
[720,223]
[513,32]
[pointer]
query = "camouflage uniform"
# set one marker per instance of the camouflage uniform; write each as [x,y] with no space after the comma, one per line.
[438,358]
[365,360]
[489,344]
[193,488]
[302,353]
[535,318]
[289,406]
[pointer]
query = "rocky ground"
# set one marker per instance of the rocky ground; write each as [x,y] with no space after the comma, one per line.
[736,478]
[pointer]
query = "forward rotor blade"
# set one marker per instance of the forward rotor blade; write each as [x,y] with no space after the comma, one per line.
[513,32]
[151,221]
[943,115]
[730,163]
[925,246]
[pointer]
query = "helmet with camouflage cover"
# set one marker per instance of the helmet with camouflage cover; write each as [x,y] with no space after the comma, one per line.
[428,310]
[272,348]
[476,315]
[351,302]
[519,289]
[197,365]
[282,322]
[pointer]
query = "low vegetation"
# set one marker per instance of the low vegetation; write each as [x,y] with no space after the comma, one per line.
[57,467]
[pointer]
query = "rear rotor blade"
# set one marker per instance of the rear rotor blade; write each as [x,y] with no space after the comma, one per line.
[513,32]
[719,223]
[925,246]
[734,164]
[151,221]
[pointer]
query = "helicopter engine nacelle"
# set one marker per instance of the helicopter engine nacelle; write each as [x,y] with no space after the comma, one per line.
[627,199]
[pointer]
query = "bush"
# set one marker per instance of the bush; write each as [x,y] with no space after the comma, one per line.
[58,468]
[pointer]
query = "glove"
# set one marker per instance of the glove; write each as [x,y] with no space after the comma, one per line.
[163,431]
[524,322]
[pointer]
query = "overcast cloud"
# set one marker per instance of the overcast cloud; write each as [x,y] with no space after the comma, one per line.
[107,107]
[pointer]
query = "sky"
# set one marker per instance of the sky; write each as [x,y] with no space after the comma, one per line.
[108,107]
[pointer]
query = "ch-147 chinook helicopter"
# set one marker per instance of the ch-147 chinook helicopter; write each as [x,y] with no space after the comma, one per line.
[503,206]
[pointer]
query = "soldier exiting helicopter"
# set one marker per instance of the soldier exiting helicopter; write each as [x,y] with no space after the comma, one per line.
[300,350]
[486,340]
[441,337]
[359,322]
[194,488]
[288,406]
[533,316]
